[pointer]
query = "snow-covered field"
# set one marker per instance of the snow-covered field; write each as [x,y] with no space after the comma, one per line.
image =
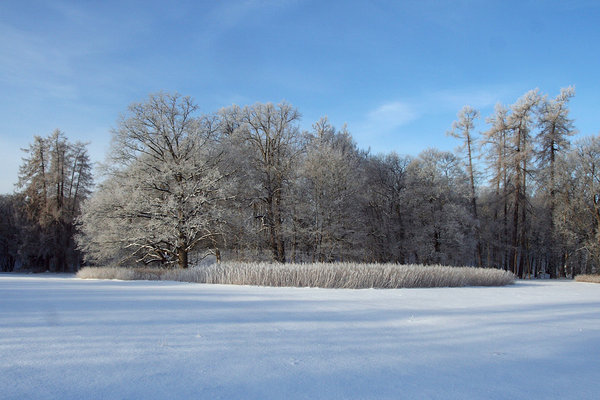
[65,338]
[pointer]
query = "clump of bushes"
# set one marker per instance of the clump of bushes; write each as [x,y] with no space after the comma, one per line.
[322,275]
[588,278]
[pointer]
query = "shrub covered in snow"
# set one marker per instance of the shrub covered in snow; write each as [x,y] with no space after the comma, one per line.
[588,278]
[338,275]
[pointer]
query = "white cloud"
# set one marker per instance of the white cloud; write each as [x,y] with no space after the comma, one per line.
[395,114]
[429,114]
[224,16]
[389,116]
[32,62]
[24,53]
[377,126]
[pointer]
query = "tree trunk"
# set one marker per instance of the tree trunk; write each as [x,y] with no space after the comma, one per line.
[515,233]
[474,201]
[182,258]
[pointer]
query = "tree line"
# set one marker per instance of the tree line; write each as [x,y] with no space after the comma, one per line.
[247,183]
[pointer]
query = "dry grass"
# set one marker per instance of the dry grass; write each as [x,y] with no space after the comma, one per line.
[588,278]
[339,275]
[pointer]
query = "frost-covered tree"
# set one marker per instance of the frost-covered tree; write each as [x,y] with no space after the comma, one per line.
[463,129]
[495,144]
[525,148]
[577,218]
[521,122]
[269,138]
[510,157]
[387,214]
[555,128]
[164,190]
[440,224]
[329,201]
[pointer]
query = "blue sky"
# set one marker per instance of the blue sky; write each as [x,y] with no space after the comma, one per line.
[396,72]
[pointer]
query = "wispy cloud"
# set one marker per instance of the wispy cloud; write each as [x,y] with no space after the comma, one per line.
[422,117]
[391,115]
[61,57]
[225,16]
[378,124]
[28,59]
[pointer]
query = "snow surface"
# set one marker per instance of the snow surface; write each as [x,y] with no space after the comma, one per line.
[65,338]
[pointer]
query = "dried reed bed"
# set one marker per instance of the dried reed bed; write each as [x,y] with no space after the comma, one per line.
[588,278]
[337,275]
[121,273]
